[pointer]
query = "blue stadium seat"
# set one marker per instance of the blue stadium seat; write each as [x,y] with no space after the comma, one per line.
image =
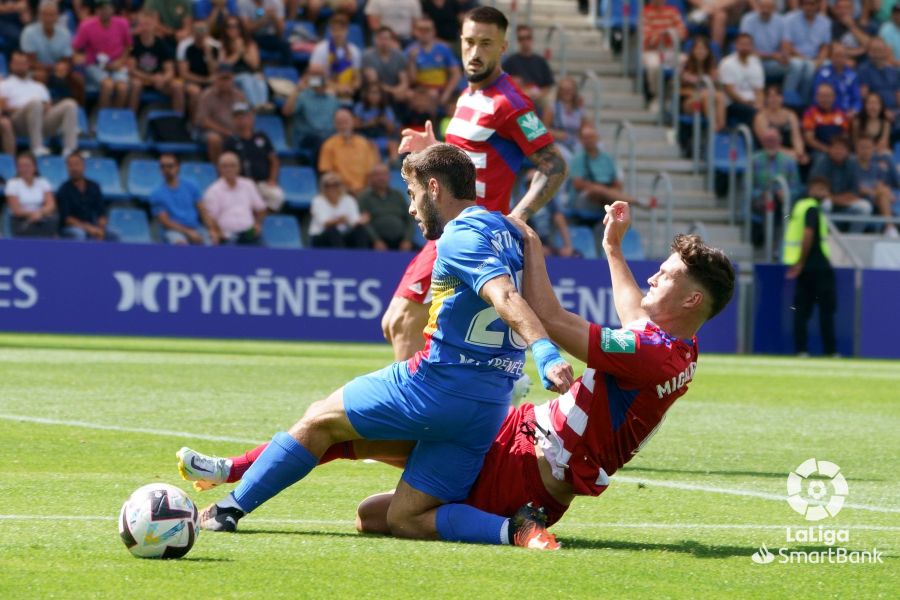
[106,173]
[52,167]
[6,223]
[86,140]
[203,174]
[299,185]
[632,247]
[397,181]
[582,240]
[7,168]
[4,69]
[117,130]
[273,126]
[281,231]
[130,225]
[354,36]
[173,147]
[616,13]
[144,176]
[722,153]
[309,33]
[202,8]
[282,72]
[897,154]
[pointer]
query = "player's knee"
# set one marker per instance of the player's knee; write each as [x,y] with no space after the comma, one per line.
[319,427]
[404,524]
[371,514]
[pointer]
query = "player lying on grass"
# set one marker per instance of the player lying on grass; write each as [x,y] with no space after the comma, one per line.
[546,455]
[452,396]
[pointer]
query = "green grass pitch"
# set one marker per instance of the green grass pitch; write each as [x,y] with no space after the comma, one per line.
[682,520]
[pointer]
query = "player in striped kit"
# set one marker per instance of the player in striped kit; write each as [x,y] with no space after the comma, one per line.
[546,455]
[495,123]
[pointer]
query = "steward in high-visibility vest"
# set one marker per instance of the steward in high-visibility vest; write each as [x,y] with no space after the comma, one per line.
[807,254]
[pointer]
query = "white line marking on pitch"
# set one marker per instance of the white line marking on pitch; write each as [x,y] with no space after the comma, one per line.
[339,523]
[677,485]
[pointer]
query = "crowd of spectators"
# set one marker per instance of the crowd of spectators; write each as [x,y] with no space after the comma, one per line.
[810,78]
[207,61]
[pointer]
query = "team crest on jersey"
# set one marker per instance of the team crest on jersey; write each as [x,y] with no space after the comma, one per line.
[618,341]
[531,126]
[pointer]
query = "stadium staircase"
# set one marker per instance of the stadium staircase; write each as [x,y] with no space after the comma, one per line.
[695,208]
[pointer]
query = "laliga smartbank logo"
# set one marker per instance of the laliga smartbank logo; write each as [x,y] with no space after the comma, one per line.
[817,490]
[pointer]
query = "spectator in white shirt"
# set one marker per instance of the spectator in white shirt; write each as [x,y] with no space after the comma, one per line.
[742,76]
[30,201]
[335,218]
[27,102]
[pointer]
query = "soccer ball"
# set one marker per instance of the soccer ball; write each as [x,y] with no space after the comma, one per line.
[158,521]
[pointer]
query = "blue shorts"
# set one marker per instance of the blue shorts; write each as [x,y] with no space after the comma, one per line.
[453,433]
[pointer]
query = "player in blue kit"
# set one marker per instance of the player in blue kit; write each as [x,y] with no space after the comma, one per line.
[452,396]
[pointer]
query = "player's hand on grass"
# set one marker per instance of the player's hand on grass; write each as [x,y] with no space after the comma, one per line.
[416,141]
[617,222]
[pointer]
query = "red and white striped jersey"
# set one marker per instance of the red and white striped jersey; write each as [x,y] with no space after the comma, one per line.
[498,128]
[634,375]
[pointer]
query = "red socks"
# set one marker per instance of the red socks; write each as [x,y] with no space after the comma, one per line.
[240,464]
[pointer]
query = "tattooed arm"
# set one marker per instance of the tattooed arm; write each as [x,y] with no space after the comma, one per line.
[549,175]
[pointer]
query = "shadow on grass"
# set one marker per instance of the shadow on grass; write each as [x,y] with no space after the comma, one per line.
[765,474]
[203,559]
[692,547]
[301,532]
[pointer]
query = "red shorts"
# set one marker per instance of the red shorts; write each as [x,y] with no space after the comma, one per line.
[416,282]
[510,478]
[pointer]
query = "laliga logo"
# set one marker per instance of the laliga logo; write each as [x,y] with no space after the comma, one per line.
[816,505]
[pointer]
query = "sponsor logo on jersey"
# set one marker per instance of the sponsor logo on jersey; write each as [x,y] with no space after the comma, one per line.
[618,341]
[531,126]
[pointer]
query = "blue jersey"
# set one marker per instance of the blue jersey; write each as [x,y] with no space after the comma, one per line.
[465,338]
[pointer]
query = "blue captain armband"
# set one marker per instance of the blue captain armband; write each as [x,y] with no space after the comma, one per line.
[546,355]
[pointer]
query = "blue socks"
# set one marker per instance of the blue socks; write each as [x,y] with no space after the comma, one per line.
[283,463]
[463,523]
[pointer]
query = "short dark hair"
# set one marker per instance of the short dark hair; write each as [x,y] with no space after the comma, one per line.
[385,28]
[820,180]
[448,164]
[744,34]
[841,140]
[489,16]
[707,266]
[171,155]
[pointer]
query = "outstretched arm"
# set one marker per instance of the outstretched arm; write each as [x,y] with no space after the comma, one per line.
[549,175]
[626,293]
[500,293]
[567,329]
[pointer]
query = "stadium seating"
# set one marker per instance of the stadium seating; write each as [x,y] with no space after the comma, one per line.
[6,223]
[7,168]
[722,153]
[144,176]
[397,181]
[86,140]
[4,69]
[281,231]
[273,126]
[203,174]
[52,167]
[117,131]
[173,147]
[130,225]
[299,185]
[309,33]
[582,240]
[106,173]
[632,247]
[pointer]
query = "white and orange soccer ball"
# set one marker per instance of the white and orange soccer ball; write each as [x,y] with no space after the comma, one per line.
[158,521]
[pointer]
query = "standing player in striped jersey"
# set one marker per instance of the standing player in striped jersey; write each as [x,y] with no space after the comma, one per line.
[546,455]
[495,123]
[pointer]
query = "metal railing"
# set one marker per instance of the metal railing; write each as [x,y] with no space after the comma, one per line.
[661,178]
[631,168]
[562,50]
[639,64]
[786,201]
[710,132]
[596,92]
[697,124]
[744,132]
[670,34]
